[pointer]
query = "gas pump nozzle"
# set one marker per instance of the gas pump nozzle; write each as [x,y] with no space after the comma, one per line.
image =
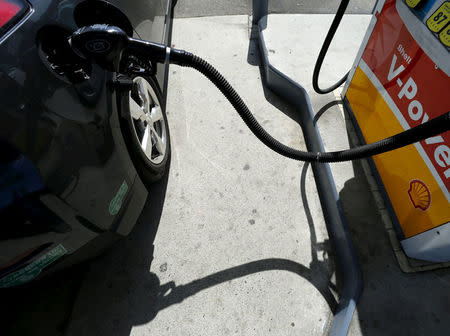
[106,44]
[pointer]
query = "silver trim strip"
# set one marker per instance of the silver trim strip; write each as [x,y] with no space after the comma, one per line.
[432,245]
[17,25]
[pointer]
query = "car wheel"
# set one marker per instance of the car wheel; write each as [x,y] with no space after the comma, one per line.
[145,128]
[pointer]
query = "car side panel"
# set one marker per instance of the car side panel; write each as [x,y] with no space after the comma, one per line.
[69,132]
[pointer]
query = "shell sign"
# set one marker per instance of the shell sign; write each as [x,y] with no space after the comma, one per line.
[419,194]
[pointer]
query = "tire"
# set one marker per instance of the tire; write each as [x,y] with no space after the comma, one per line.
[144,125]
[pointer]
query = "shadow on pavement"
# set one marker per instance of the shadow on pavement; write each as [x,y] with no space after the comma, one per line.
[40,307]
[135,294]
[152,296]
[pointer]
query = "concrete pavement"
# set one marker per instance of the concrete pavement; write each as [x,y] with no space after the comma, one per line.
[195,8]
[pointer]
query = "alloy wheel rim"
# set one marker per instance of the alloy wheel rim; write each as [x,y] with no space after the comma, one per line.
[147,120]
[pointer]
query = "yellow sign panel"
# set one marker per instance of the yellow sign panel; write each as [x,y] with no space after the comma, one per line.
[417,199]
[440,18]
[444,36]
[413,3]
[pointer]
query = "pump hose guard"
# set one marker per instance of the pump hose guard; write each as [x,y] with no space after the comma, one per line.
[119,43]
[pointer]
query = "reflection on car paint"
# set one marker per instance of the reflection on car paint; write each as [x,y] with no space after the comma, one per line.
[18,176]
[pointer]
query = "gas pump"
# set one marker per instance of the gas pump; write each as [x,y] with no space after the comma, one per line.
[400,79]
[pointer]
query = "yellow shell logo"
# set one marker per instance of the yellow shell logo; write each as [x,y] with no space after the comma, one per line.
[419,194]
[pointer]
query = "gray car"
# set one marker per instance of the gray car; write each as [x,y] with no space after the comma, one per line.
[78,145]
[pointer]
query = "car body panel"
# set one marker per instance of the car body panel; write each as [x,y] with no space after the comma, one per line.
[68,132]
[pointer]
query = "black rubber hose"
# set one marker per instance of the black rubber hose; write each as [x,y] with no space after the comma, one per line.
[428,129]
[323,51]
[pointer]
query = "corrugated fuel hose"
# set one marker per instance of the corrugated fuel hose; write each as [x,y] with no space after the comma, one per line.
[106,44]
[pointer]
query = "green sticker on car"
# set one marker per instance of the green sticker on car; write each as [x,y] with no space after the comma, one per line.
[33,269]
[116,202]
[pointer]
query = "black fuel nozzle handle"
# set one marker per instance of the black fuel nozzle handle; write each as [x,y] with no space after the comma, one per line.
[100,42]
[106,44]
